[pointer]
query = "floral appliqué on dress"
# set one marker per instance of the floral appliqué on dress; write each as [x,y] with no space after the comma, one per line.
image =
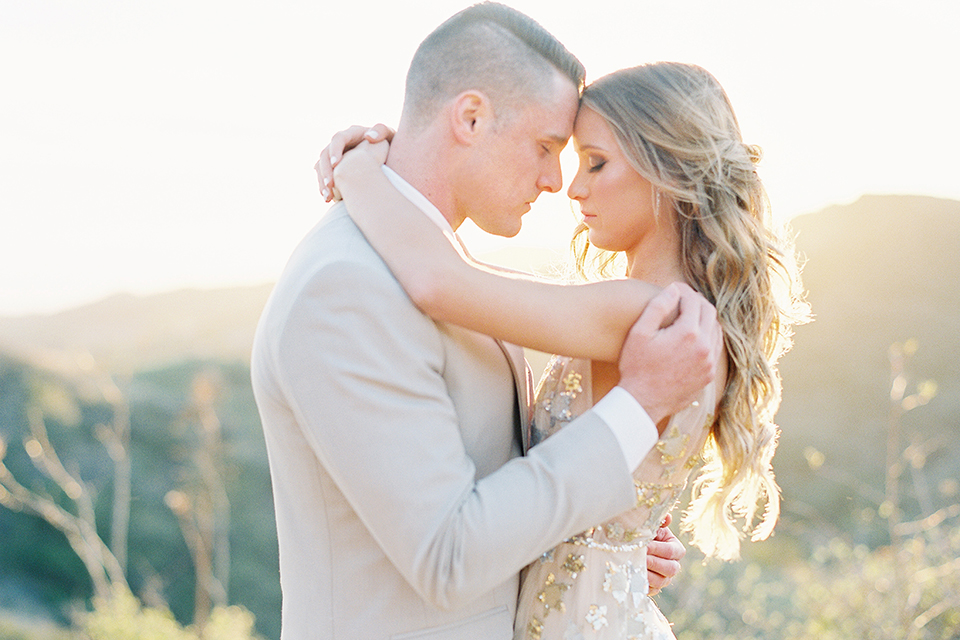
[594,586]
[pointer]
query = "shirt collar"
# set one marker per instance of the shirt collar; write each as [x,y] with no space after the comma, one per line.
[420,200]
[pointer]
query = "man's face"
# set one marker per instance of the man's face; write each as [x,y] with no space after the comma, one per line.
[520,160]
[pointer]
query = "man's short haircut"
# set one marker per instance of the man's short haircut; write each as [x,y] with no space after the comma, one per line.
[492,48]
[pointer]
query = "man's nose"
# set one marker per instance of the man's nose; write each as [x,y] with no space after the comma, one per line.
[551,180]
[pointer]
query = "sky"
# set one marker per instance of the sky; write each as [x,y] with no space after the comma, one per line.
[154,145]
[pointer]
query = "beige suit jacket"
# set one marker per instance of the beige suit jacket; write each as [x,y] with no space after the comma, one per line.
[403,506]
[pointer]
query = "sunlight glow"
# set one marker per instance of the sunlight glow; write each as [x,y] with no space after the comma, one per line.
[151,146]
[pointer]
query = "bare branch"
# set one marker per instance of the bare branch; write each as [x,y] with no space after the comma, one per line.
[100,563]
[930,614]
[930,522]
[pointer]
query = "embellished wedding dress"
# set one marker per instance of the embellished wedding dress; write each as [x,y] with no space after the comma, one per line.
[594,586]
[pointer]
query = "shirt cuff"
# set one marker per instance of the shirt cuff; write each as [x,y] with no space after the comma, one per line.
[630,423]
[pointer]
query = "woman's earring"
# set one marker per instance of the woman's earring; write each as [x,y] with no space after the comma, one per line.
[657,203]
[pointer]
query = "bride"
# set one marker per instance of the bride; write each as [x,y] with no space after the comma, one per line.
[668,193]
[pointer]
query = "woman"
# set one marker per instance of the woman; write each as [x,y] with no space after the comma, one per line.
[668,192]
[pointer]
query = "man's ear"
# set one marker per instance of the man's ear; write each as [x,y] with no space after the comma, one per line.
[470,115]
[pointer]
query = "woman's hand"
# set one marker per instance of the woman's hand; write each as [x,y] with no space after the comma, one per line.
[363,160]
[664,553]
[341,142]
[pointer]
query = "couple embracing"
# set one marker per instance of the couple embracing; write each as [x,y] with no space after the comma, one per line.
[415,471]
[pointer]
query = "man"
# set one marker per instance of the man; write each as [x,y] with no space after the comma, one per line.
[404,508]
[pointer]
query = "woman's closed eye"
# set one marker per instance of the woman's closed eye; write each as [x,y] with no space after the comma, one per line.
[595,164]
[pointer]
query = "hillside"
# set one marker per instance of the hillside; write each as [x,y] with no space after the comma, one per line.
[126,333]
[879,271]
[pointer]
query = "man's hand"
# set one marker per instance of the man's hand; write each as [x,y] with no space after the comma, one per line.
[342,142]
[665,364]
[664,554]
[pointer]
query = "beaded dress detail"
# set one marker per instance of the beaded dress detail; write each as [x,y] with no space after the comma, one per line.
[594,586]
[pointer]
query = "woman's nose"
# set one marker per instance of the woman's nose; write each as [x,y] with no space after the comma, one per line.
[576,190]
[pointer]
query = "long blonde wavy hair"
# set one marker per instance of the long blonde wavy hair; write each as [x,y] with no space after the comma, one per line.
[676,126]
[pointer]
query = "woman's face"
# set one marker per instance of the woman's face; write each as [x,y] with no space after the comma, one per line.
[617,203]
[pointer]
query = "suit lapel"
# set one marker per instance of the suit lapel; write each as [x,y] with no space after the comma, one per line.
[522,376]
[523,380]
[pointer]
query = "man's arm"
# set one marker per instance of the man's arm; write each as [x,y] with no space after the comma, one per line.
[362,370]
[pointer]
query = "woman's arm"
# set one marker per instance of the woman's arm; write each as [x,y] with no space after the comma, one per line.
[581,320]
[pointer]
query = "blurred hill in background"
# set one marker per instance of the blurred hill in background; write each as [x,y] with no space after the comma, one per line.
[126,332]
[881,271]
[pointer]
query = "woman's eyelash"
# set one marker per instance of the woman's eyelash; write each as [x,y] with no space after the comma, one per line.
[597,167]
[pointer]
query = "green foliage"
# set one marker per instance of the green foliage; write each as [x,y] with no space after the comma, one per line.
[905,588]
[122,617]
[14,629]
[229,623]
[163,435]
[843,591]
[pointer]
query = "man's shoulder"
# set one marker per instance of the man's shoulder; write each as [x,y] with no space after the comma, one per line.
[334,264]
[333,245]
[334,237]
[335,284]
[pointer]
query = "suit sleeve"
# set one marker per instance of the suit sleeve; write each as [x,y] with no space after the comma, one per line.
[361,368]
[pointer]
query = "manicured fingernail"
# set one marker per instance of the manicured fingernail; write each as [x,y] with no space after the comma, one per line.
[334,160]
[372,133]
[325,193]
[326,182]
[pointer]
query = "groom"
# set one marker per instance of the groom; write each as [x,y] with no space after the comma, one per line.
[404,507]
